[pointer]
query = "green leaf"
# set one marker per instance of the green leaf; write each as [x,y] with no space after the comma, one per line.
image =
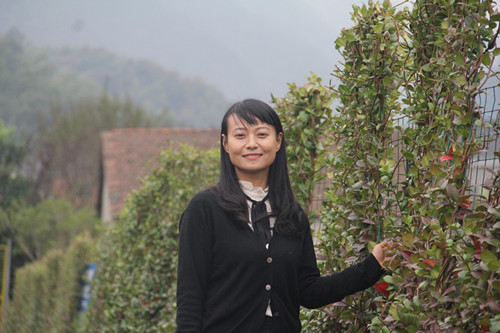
[303,116]
[427,68]
[427,139]
[387,81]
[494,212]
[461,80]
[393,310]
[452,192]
[435,170]
[486,60]
[408,240]
[491,260]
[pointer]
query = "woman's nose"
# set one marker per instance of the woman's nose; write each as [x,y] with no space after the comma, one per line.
[252,142]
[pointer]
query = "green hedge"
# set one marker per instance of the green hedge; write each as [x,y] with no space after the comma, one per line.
[46,295]
[135,284]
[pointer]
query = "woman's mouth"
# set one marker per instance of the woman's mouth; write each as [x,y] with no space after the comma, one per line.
[252,156]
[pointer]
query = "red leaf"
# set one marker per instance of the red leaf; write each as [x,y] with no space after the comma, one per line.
[445,158]
[406,254]
[382,287]
[450,289]
[477,246]
[466,203]
[429,262]
[485,328]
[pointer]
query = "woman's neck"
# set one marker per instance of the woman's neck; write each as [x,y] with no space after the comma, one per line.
[261,184]
[258,181]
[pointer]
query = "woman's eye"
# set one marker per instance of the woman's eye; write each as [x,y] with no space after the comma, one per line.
[239,135]
[262,135]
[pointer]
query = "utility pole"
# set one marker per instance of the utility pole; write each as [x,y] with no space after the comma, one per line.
[6,250]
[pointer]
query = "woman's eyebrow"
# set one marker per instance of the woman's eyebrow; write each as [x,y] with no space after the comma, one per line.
[240,129]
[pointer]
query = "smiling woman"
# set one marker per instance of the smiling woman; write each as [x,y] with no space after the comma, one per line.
[246,257]
[251,148]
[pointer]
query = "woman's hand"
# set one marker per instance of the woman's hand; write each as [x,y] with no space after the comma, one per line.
[380,250]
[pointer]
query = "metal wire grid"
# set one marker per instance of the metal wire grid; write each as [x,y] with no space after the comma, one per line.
[481,166]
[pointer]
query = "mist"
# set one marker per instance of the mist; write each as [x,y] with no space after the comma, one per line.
[243,48]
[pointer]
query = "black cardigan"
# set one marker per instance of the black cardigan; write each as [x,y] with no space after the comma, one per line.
[226,276]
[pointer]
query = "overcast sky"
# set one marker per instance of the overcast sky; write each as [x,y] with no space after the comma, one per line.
[245,48]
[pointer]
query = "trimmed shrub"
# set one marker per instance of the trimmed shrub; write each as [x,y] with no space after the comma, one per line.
[135,284]
[47,292]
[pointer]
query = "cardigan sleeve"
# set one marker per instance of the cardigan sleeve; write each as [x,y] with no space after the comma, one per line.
[193,266]
[317,290]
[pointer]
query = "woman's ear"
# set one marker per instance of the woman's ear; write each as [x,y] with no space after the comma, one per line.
[224,142]
[279,139]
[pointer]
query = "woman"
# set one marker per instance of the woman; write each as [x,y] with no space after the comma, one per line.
[246,255]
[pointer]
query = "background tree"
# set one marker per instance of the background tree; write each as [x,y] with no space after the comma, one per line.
[12,184]
[52,223]
[65,153]
[29,85]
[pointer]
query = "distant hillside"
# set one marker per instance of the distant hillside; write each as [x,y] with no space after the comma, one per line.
[192,102]
[32,79]
[29,84]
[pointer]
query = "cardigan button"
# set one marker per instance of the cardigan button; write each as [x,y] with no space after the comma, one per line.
[269,260]
[268,287]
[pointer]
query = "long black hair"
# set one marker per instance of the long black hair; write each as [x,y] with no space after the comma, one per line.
[289,216]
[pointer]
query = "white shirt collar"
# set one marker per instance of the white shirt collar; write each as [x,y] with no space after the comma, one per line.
[255,193]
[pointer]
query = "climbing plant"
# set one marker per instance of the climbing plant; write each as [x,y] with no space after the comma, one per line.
[306,115]
[362,165]
[447,266]
[405,130]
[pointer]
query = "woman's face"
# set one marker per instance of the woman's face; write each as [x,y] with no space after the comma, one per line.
[252,149]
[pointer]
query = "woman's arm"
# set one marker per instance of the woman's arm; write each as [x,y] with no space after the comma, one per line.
[317,291]
[193,270]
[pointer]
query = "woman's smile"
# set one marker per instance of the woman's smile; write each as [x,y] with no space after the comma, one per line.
[252,156]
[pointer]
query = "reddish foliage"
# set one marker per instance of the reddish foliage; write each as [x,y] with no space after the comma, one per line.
[477,246]
[382,287]
[429,262]
[466,204]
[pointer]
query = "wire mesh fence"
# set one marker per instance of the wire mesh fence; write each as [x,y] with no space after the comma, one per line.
[483,165]
[480,168]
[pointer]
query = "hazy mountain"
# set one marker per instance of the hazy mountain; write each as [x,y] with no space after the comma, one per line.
[246,48]
[32,80]
[192,102]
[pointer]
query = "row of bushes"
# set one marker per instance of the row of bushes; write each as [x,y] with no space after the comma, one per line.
[47,293]
[134,290]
